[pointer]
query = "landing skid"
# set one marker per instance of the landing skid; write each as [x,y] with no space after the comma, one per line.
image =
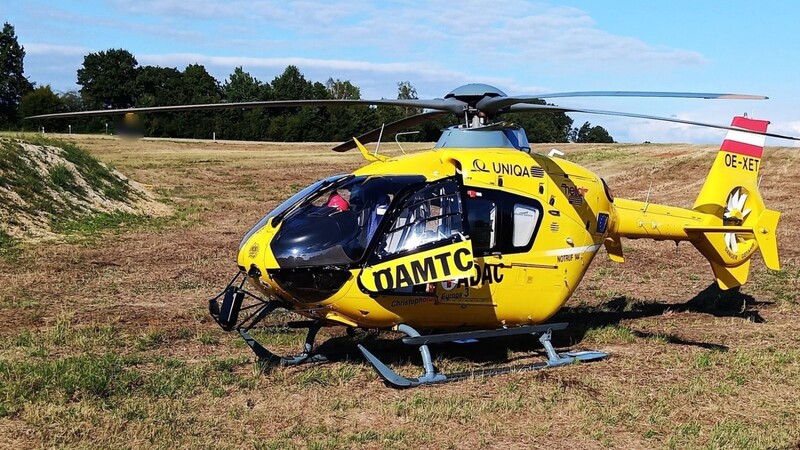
[267,358]
[431,376]
[232,298]
[227,316]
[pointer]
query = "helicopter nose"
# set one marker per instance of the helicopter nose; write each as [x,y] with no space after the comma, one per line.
[255,256]
[310,284]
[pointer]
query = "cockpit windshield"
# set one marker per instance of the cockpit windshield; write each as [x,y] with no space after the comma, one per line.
[334,224]
[290,202]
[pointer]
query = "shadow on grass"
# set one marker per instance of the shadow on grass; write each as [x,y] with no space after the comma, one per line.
[711,300]
[582,319]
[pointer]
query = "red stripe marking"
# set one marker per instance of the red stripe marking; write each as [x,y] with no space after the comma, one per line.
[750,124]
[742,148]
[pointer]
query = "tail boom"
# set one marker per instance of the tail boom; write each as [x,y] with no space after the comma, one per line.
[729,220]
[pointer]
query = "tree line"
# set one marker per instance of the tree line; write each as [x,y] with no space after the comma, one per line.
[114,79]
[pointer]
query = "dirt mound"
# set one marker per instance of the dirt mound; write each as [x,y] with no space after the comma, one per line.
[44,182]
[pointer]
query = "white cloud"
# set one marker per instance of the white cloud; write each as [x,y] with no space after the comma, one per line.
[787,128]
[196,9]
[82,24]
[532,31]
[332,64]
[438,46]
[717,113]
[640,130]
[512,33]
[36,48]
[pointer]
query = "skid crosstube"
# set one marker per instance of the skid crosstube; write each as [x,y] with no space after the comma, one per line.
[430,375]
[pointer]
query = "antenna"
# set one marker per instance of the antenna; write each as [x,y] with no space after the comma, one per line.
[380,136]
[649,189]
[403,134]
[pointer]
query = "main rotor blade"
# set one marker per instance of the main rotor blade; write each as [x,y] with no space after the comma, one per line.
[448,105]
[552,108]
[390,128]
[491,104]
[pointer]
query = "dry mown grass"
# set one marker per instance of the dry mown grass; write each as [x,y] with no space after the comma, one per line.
[105,339]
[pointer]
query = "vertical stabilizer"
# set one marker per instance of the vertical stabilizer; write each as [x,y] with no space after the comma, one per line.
[737,221]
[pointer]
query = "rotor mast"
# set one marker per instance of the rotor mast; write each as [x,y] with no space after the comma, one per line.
[471,95]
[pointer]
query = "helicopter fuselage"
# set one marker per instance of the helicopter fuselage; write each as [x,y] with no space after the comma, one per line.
[520,231]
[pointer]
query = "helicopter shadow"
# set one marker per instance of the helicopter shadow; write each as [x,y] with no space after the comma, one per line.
[712,300]
[390,349]
[582,319]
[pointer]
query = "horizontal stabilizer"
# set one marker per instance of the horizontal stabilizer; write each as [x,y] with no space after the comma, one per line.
[731,267]
[690,230]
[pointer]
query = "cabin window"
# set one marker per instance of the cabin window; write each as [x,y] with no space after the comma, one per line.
[482,219]
[525,219]
[501,222]
[431,215]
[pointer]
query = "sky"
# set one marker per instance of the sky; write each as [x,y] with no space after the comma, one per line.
[519,46]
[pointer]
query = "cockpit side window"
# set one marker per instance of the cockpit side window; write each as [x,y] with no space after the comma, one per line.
[430,215]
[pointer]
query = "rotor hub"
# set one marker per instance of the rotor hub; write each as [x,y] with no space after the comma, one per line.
[475,91]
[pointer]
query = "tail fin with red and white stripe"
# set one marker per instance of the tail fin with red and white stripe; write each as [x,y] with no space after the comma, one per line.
[737,221]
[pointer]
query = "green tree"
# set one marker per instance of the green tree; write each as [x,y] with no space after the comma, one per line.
[198,87]
[406,91]
[342,90]
[298,124]
[159,86]
[242,87]
[72,101]
[291,85]
[389,114]
[345,122]
[108,79]
[591,134]
[13,84]
[42,100]
[543,126]
[432,131]
[246,124]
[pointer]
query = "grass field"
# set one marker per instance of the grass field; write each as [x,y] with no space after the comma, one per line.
[105,340]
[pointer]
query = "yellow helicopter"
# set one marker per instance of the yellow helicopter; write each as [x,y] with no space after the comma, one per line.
[477,237]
